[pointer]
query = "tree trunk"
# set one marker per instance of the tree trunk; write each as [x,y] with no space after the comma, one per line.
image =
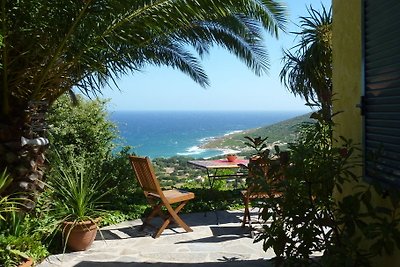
[25,164]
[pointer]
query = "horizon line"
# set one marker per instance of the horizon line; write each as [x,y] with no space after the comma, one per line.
[205,110]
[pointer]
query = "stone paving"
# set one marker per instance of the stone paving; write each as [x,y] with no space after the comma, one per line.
[217,239]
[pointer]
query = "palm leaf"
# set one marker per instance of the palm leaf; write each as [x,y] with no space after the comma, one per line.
[307,71]
[52,46]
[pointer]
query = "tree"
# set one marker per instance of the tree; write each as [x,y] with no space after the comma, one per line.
[85,133]
[81,130]
[307,71]
[50,47]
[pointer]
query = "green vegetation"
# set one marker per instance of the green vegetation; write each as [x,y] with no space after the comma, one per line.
[306,218]
[175,171]
[49,48]
[307,69]
[19,240]
[84,133]
[78,191]
[81,128]
[76,169]
[280,133]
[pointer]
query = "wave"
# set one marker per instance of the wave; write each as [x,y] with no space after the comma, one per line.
[193,150]
[206,139]
[210,138]
[207,153]
[233,132]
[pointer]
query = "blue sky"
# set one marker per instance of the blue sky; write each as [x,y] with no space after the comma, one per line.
[233,85]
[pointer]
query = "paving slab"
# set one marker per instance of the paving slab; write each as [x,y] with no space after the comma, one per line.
[217,240]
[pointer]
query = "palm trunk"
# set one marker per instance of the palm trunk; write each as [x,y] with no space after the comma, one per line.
[25,164]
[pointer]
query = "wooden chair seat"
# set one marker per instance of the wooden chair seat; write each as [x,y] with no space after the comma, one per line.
[159,198]
[175,195]
[254,195]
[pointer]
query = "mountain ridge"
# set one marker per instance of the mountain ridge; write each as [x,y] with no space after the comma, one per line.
[280,133]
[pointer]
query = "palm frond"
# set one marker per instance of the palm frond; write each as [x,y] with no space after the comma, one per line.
[53,46]
[307,71]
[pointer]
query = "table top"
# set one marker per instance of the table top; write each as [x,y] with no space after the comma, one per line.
[219,163]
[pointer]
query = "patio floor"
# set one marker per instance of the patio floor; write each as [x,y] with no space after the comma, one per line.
[217,239]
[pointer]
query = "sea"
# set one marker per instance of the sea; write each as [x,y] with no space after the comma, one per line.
[173,133]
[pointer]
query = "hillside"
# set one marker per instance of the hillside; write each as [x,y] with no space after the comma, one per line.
[279,133]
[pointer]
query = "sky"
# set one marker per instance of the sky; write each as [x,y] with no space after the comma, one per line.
[232,85]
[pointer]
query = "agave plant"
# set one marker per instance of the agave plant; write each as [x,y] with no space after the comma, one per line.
[7,204]
[77,190]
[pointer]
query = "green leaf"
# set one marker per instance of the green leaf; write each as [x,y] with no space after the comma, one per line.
[389,247]
[383,210]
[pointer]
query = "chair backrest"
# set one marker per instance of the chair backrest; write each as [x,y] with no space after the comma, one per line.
[144,173]
[266,173]
[258,169]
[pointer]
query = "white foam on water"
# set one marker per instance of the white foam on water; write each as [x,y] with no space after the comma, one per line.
[229,151]
[233,132]
[206,139]
[193,150]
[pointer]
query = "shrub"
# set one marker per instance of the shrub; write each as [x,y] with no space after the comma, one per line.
[308,219]
[84,131]
[81,129]
[20,239]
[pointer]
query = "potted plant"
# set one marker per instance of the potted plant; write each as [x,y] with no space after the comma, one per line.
[78,190]
[231,157]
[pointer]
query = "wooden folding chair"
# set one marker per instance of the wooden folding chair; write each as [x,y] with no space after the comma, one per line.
[157,197]
[259,168]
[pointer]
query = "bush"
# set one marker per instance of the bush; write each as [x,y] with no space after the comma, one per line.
[307,219]
[20,239]
[81,129]
[84,131]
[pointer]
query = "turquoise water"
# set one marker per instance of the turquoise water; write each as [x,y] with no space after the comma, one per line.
[171,133]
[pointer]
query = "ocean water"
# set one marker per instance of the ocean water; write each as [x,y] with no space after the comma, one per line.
[171,133]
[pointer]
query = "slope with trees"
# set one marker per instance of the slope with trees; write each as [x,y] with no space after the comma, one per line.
[282,132]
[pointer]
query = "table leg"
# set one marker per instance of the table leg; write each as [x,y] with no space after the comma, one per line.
[211,177]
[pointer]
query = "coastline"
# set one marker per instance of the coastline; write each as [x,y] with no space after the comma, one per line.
[191,134]
[279,134]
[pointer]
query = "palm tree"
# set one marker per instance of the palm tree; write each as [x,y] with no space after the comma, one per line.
[49,47]
[307,71]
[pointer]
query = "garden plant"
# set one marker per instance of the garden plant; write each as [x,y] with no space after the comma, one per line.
[315,223]
[77,187]
[18,239]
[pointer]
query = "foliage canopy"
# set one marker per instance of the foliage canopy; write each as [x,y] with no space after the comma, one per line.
[51,46]
[307,69]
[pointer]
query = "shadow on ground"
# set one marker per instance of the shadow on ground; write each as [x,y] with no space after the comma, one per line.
[227,262]
[221,232]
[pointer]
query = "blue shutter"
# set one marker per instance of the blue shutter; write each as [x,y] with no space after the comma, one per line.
[381,105]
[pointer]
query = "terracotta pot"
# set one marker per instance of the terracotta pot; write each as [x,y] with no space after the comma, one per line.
[81,236]
[231,158]
[26,263]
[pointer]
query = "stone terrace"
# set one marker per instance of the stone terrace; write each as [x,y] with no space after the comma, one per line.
[217,240]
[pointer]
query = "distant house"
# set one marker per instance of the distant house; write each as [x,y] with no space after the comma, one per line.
[366,82]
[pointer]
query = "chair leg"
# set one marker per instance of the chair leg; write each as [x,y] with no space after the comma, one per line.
[173,215]
[246,215]
[155,211]
[178,219]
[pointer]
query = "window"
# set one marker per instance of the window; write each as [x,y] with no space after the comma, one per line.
[381,101]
